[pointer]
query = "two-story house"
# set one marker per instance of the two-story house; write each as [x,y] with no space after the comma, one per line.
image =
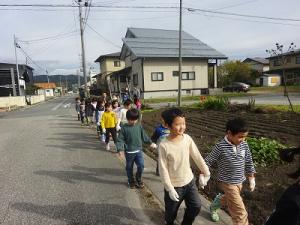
[109,63]
[290,63]
[258,64]
[151,63]
[25,77]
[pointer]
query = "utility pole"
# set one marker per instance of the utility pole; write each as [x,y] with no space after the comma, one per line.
[17,65]
[180,58]
[47,76]
[12,74]
[66,82]
[82,47]
[78,80]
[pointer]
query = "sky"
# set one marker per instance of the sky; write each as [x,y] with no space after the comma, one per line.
[51,37]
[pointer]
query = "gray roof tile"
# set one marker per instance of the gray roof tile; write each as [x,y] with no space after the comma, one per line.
[164,43]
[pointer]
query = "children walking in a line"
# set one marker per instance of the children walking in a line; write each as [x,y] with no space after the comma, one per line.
[175,171]
[122,114]
[233,158]
[82,111]
[131,139]
[108,124]
[159,134]
[98,115]
[77,107]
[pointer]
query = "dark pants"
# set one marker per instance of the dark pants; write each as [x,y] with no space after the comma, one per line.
[82,116]
[188,193]
[138,159]
[113,133]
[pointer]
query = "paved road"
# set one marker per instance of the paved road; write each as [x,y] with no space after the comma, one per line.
[52,171]
[270,99]
[266,99]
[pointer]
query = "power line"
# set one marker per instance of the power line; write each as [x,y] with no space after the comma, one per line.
[103,37]
[50,37]
[154,7]
[253,21]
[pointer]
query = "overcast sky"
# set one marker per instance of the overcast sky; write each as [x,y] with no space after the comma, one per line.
[236,37]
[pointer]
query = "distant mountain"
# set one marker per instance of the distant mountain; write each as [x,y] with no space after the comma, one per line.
[64,80]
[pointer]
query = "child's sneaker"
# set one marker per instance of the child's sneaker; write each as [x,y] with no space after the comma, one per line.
[131,185]
[140,184]
[214,207]
[107,147]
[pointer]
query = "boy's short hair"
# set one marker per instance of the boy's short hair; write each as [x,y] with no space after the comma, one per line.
[114,101]
[107,104]
[127,102]
[169,115]
[237,125]
[164,115]
[132,114]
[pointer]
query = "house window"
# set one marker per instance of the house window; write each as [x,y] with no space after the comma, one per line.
[135,79]
[185,75]
[117,64]
[188,76]
[276,62]
[157,76]
[288,59]
[298,60]
[188,91]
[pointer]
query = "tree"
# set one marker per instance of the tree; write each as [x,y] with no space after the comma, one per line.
[231,71]
[31,89]
[282,59]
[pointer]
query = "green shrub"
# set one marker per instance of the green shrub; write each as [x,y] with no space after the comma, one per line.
[264,150]
[216,103]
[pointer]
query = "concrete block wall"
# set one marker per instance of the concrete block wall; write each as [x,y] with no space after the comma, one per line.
[36,99]
[6,102]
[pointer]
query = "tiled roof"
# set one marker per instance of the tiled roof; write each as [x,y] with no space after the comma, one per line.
[111,55]
[258,59]
[45,85]
[164,43]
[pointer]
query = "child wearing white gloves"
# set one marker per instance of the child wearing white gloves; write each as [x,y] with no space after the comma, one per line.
[175,170]
[233,159]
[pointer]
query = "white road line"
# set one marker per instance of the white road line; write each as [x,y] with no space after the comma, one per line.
[56,107]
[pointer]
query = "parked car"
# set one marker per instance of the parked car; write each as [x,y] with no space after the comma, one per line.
[237,86]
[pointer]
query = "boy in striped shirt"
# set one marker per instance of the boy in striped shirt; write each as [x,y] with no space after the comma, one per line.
[233,159]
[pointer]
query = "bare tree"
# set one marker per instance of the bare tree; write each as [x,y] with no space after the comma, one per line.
[282,59]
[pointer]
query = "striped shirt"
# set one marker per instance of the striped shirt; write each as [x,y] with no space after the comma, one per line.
[232,165]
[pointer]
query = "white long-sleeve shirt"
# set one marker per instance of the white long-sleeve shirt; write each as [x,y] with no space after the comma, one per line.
[174,162]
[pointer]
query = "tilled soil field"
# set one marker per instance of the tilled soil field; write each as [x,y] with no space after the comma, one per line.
[207,127]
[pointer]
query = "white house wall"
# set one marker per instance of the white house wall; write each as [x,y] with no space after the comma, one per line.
[170,82]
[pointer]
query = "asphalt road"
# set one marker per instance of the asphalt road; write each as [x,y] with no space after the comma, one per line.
[264,99]
[52,171]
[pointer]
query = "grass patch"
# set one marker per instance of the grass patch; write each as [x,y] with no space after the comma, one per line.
[278,89]
[192,98]
[281,108]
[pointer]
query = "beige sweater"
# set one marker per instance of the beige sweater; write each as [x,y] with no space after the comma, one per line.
[174,162]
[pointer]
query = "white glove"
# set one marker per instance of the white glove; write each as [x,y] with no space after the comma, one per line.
[153,145]
[251,183]
[118,127]
[98,123]
[174,195]
[203,180]
[103,130]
